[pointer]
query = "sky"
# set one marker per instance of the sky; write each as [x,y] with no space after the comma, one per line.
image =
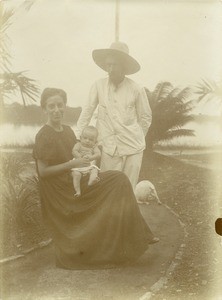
[176,41]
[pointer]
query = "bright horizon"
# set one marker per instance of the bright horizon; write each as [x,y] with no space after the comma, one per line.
[173,41]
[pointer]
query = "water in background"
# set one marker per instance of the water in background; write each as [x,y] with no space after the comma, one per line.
[208,134]
[18,135]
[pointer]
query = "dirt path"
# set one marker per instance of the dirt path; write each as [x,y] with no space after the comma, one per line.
[35,276]
[195,194]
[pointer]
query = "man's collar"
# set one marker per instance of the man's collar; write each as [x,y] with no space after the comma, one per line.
[118,85]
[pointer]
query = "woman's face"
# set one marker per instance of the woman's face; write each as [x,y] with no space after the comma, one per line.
[54,109]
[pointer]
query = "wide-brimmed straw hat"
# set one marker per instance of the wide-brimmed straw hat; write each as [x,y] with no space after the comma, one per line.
[118,49]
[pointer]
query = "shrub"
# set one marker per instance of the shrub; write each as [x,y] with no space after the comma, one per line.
[20,220]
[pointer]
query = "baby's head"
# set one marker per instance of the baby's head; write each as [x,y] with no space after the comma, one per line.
[89,136]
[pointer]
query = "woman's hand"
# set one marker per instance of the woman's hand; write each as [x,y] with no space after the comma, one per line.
[89,157]
[80,162]
[45,170]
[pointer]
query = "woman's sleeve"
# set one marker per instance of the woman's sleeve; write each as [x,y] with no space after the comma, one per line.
[76,147]
[44,148]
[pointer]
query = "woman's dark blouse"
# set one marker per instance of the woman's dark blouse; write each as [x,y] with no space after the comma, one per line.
[54,147]
[103,226]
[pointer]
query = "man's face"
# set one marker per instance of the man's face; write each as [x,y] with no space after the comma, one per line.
[115,69]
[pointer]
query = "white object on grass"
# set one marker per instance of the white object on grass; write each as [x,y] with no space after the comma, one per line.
[145,192]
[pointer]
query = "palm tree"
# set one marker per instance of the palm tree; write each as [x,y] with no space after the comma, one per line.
[209,90]
[170,112]
[11,82]
[17,82]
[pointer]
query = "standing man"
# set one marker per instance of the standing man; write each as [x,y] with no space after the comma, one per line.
[124,114]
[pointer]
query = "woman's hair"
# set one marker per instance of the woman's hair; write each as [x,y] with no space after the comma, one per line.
[50,92]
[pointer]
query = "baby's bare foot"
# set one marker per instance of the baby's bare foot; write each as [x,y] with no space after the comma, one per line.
[93,180]
[77,194]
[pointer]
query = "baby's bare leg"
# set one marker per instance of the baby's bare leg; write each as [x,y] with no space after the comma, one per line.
[76,182]
[93,177]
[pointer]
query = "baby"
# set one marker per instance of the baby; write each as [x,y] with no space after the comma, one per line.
[86,148]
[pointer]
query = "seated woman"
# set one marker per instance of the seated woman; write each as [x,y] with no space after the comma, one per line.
[103,226]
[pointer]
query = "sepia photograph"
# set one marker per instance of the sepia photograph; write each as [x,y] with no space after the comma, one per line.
[110,150]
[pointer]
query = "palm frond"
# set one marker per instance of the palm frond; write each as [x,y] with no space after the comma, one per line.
[171,108]
[5,17]
[27,4]
[177,133]
[5,22]
[19,197]
[10,82]
[184,94]
[179,121]
[11,166]
[210,85]
[174,93]
[209,90]
[162,90]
